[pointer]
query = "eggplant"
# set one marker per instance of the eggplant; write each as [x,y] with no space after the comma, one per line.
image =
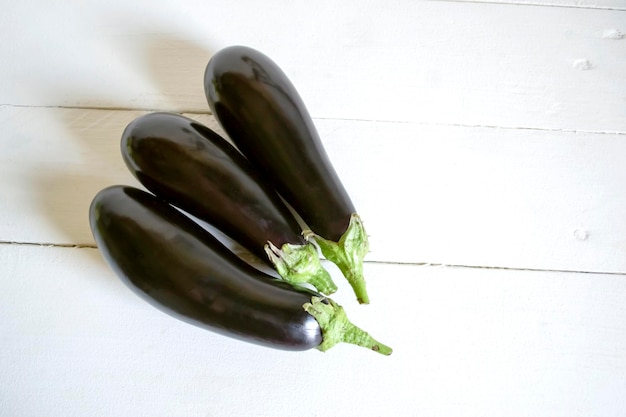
[179,267]
[195,169]
[262,113]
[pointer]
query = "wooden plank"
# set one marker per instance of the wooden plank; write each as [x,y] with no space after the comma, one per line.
[52,167]
[428,193]
[467,342]
[437,62]
[485,196]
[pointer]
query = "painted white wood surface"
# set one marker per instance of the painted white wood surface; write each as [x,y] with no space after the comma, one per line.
[436,62]
[468,342]
[439,194]
[499,127]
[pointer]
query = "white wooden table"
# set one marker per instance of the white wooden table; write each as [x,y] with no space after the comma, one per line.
[484,144]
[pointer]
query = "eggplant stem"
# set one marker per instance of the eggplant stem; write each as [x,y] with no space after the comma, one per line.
[347,254]
[300,264]
[337,328]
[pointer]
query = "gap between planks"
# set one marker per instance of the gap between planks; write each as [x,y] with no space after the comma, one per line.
[420,264]
[535,4]
[209,113]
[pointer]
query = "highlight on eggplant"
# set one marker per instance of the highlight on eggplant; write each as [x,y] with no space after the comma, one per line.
[176,265]
[194,168]
[263,114]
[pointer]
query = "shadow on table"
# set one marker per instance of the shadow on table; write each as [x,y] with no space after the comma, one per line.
[93,134]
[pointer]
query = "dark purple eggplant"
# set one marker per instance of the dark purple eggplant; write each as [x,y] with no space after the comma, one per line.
[263,114]
[194,168]
[176,265]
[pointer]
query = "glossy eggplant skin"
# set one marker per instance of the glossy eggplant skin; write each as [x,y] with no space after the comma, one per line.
[264,116]
[176,265]
[194,168]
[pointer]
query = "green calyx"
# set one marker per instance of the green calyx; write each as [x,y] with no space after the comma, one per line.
[347,254]
[336,328]
[300,264]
